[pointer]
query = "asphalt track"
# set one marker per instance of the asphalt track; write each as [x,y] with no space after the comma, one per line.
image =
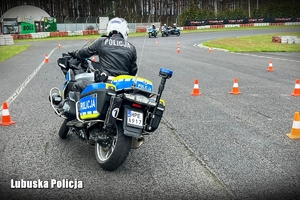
[213,146]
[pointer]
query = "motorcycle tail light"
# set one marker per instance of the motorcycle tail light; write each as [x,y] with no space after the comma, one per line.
[136,105]
[140,99]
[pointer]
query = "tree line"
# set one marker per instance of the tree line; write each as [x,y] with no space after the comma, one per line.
[69,11]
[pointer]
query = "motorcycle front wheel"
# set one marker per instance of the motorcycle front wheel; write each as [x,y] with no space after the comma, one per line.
[64,129]
[113,156]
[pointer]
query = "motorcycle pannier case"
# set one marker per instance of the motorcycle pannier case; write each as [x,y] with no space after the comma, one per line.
[94,100]
[158,115]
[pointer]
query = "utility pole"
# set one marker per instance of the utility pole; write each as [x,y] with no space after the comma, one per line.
[216,7]
[249,8]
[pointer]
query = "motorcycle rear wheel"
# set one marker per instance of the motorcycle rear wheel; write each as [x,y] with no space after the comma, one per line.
[112,157]
[64,129]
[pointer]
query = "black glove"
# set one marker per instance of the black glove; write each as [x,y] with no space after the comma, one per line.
[100,76]
[73,54]
[74,63]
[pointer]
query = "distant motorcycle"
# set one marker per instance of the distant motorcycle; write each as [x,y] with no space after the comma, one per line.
[167,31]
[174,31]
[152,32]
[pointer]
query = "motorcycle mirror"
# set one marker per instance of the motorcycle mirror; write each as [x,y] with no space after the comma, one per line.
[165,73]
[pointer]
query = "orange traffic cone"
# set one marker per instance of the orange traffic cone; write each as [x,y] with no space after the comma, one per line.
[295,132]
[6,121]
[196,90]
[297,88]
[46,58]
[235,88]
[59,46]
[178,44]
[270,68]
[209,49]
[178,50]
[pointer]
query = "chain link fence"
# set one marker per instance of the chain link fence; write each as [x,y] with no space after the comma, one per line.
[95,26]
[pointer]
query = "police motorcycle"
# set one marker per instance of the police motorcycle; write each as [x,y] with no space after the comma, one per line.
[114,115]
[165,31]
[174,30]
[152,32]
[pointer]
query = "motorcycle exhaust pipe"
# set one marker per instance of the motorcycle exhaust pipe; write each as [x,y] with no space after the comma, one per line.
[137,142]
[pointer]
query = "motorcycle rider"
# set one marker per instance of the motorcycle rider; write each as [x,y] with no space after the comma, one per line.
[153,27]
[116,55]
[174,26]
[164,28]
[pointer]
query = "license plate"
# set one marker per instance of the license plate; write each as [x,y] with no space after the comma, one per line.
[134,118]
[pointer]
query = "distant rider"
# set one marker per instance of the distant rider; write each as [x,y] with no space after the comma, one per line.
[153,27]
[174,26]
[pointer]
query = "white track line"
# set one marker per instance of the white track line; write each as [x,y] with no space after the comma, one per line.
[23,85]
[247,54]
[267,57]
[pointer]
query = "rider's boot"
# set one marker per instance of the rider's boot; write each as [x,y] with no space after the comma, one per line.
[75,122]
[63,107]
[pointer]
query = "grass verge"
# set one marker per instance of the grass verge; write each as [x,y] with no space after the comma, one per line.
[255,43]
[9,51]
